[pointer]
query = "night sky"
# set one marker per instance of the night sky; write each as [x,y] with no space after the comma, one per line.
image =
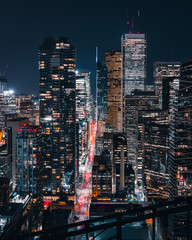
[88,23]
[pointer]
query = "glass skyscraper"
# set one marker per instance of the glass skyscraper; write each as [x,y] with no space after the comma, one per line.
[57,65]
[133,50]
[101,91]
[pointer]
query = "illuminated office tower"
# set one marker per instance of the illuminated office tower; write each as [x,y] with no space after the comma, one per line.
[133,50]
[12,126]
[28,160]
[164,70]
[57,114]
[28,107]
[180,135]
[101,91]
[116,144]
[156,151]
[135,107]
[102,175]
[113,62]
[7,110]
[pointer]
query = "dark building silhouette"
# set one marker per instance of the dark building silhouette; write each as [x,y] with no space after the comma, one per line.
[4,191]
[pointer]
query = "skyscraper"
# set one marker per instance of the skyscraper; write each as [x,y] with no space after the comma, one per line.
[101,91]
[28,107]
[164,70]
[116,144]
[135,106]
[133,50]
[57,114]
[102,178]
[155,151]
[12,126]
[180,135]
[113,62]
[28,160]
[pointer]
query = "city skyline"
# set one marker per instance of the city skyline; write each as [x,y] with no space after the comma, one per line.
[105,143]
[107,21]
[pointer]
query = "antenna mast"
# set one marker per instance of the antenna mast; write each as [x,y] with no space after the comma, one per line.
[138,21]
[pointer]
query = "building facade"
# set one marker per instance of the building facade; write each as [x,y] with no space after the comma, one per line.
[28,107]
[28,160]
[133,50]
[156,152]
[164,70]
[101,91]
[113,61]
[57,65]
[180,134]
[136,106]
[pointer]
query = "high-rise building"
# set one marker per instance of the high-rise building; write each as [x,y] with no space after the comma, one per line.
[164,70]
[156,151]
[180,134]
[7,107]
[101,91]
[28,107]
[102,175]
[134,108]
[113,62]
[133,50]
[12,126]
[28,160]
[57,65]
[116,144]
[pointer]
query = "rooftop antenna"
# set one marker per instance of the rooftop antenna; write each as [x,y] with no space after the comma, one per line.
[4,72]
[132,24]
[172,52]
[127,19]
[138,31]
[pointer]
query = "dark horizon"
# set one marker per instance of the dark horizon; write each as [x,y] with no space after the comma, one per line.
[88,24]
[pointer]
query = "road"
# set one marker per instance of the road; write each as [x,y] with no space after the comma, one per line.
[85,173]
